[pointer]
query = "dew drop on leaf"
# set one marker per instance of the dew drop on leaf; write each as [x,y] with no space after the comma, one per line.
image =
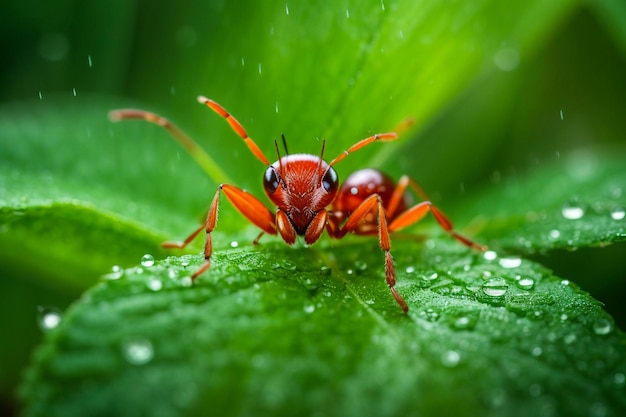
[325,270]
[495,287]
[289,266]
[572,210]
[138,351]
[234,244]
[154,284]
[147,260]
[450,358]
[554,234]
[117,272]
[618,213]
[602,327]
[510,261]
[490,255]
[525,283]
[48,318]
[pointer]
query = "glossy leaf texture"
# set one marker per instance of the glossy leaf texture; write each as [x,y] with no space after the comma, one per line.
[277,331]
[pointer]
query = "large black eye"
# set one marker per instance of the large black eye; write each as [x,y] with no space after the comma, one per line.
[330,181]
[270,180]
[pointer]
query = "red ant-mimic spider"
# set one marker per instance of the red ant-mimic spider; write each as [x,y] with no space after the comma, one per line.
[305,190]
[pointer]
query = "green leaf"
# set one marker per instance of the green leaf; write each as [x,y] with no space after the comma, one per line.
[577,202]
[279,331]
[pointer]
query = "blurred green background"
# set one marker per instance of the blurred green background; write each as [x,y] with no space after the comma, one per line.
[496,90]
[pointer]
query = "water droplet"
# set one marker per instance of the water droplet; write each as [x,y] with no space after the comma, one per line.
[154,285]
[286,9]
[572,210]
[309,308]
[565,282]
[360,266]
[602,327]
[117,272]
[234,244]
[138,351]
[525,283]
[260,69]
[510,262]
[289,266]
[495,287]
[618,213]
[89,61]
[619,378]
[325,270]
[554,234]
[465,322]
[48,318]
[186,282]
[536,351]
[430,314]
[147,260]
[74,91]
[564,317]
[450,358]
[490,255]
[410,269]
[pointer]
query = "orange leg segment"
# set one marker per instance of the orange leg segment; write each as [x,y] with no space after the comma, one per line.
[236,126]
[417,213]
[374,202]
[246,204]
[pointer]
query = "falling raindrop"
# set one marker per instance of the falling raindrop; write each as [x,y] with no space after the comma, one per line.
[572,210]
[89,61]
[138,351]
[450,358]
[48,318]
[74,91]
[495,287]
[147,260]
